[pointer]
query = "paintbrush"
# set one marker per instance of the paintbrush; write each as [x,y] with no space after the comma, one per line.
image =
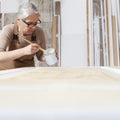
[30,42]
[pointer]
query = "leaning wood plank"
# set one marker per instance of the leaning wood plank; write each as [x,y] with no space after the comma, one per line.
[107,31]
[87,30]
[57,8]
[114,41]
[54,29]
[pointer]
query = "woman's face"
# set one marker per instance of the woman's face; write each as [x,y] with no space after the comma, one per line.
[27,26]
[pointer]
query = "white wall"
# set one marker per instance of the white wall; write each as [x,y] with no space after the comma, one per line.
[10,6]
[73,39]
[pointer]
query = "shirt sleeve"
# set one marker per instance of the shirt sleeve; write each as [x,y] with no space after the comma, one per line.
[5,37]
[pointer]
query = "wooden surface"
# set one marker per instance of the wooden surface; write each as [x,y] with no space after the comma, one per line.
[107,31]
[60,93]
[57,8]
[115,48]
[54,32]
[87,32]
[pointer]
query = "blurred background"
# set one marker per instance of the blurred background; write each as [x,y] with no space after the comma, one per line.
[83,32]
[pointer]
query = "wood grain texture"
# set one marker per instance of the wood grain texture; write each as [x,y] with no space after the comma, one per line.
[37,93]
[87,31]
[114,41]
[85,74]
[107,31]
[54,32]
[57,7]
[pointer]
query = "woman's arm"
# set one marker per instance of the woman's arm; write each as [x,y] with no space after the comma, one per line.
[14,54]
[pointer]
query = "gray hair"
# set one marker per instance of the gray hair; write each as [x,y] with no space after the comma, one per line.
[27,9]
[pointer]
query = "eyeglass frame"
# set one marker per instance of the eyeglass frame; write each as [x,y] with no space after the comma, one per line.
[31,23]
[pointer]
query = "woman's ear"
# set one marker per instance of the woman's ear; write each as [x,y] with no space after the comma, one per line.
[18,18]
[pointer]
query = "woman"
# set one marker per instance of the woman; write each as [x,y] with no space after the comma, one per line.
[15,52]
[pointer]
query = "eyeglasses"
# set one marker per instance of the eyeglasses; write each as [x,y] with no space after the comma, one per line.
[31,23]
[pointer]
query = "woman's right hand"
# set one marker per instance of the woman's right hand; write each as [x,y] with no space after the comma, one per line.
[31,49]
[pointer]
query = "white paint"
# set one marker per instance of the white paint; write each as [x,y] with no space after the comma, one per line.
[50,56]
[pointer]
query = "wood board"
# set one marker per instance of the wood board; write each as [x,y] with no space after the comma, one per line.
[60,93]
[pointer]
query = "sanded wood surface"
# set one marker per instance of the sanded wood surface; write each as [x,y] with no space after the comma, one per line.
[52,93]
[89,74]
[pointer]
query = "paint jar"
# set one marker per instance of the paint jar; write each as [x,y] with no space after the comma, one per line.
[50,56]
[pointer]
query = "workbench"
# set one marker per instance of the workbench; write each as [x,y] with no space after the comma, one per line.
[60,93]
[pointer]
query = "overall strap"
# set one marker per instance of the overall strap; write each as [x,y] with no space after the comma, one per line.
[15,32]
